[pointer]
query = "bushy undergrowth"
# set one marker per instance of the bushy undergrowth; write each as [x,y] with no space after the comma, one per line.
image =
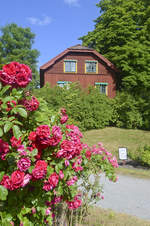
[141,156]
[126,111]
[88,109]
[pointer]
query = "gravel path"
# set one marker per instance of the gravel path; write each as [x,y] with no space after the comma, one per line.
[128,195]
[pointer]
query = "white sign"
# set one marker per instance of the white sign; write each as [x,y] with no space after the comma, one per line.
[123,153]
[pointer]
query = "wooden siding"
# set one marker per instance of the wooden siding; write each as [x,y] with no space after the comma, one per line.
[55,72]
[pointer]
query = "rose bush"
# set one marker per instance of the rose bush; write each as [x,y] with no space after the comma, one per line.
[42,159]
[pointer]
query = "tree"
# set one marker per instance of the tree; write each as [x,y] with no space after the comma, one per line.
[16,45]
[122,34]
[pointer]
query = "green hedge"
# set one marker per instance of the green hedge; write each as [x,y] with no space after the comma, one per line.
[88,108]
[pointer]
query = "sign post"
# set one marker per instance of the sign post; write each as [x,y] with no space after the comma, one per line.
[123,154]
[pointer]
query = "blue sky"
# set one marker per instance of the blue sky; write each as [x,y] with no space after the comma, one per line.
[57,24]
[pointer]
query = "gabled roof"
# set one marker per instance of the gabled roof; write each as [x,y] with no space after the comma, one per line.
[78,48]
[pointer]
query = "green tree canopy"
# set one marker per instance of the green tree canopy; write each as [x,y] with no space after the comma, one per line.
[122,34]
[16,45]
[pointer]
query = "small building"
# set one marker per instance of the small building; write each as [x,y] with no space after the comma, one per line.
[80,64]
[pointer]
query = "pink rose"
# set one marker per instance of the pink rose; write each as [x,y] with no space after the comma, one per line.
[4,149]
[31,105]
[24,164]
[17,178]
[10,105]
[64,119]
[53,179]
[32,136]
[15,142]
[63,111]
[88,154]
[76,203]
[61,175]
[26,179]
[22,151]
[72,181]
[33,210]
[42,164]
[39,172]
[15,74]
[7,79]
[47,186]
[48,211]
[43,130]
[66,163]
[6,182]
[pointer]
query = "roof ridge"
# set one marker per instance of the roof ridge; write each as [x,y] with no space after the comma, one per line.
[79,46]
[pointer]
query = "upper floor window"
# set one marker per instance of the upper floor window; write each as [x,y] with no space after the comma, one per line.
[91,66]
[70,66]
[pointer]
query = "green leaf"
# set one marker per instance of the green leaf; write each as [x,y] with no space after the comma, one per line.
[1,175]
[22,112]
[16,131]
[6,99]
[25,210]
[4,89]
[30,169]
[18,123]
[0,85]
[4,106]
[34,152]
[3,193]
[7,127]
[1,132]
[50,170]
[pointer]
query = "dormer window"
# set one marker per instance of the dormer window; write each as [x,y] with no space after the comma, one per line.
[70,66]
[91,66]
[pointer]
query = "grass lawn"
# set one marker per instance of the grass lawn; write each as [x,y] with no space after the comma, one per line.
[102,217]
[113,138]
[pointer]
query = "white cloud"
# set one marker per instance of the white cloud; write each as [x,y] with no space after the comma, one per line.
[72,2]
[40,22]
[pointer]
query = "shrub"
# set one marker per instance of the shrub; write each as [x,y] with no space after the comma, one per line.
[42,158]
[126,112]
[89,108]
[141,156]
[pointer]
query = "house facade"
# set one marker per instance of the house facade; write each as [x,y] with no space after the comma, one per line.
[80,64]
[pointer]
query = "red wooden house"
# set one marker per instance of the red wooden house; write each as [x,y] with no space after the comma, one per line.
[82,64]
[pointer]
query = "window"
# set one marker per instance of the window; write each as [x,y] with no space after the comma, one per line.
[70,66]
[102,87]
[63,84]
[91,67]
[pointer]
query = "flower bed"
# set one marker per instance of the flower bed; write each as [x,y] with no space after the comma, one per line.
[40,164]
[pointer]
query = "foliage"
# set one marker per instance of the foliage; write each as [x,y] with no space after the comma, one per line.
[122,34]
[88,109]
[126,111]
[16,45]
[141,156]
[42,158]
